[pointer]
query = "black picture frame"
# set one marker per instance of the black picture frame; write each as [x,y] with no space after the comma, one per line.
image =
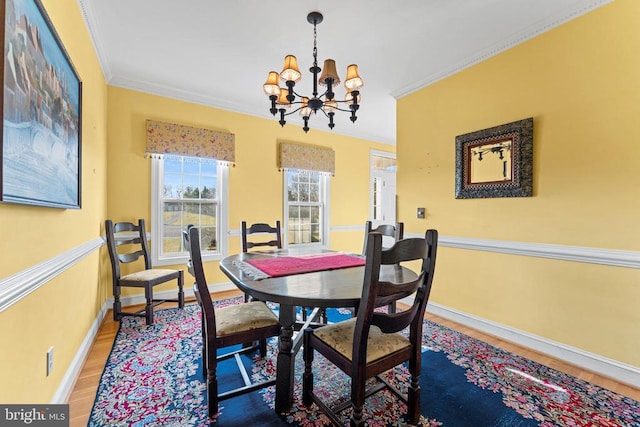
[41,156]
[509,147]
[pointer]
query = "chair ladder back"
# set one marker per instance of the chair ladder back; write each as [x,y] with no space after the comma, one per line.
[140,240]
[113,252]
[261,228]
[395,231]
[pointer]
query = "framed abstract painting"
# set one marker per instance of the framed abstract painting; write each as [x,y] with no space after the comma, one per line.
[41,111]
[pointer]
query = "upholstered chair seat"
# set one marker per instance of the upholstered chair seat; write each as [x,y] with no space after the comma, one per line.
[146,275]
[340,337]
[244,317]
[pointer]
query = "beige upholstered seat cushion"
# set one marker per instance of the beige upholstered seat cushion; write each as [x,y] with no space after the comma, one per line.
[340,336]
[145,275]
[243,317]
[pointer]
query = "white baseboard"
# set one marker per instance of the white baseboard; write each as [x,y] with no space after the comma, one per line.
[63,392]
[610,368]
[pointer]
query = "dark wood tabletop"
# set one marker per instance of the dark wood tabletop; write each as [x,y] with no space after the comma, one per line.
[330,288]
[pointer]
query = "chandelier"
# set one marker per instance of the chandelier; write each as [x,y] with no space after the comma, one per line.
[283,99]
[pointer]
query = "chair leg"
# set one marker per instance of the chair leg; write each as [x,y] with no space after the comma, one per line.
[358,389]
[212,390]
[307,376]
[413,392]
[354,422]
[117,305]
[180,290]
[263,348]
[413,403]
[148,310]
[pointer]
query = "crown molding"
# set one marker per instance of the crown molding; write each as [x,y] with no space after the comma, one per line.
[506,44]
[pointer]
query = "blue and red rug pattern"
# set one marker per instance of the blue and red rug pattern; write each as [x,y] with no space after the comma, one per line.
[153,377]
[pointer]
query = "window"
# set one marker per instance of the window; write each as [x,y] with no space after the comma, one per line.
[306,207]
[188,191]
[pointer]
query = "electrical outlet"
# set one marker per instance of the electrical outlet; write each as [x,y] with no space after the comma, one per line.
[49,361]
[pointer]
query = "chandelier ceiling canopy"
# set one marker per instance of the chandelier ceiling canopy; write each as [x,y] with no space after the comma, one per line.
[286,101]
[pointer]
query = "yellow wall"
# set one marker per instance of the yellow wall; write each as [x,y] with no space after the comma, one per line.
[60,312]
[116,184]
[255,184]
[580,82]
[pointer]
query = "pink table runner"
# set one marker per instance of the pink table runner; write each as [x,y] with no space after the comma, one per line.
[288,265]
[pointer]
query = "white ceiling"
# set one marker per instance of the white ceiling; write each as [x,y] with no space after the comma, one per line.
[218,53]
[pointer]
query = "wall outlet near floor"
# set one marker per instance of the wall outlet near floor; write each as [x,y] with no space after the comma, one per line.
[49,361]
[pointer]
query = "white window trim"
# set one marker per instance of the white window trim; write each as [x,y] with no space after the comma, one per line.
[325,187]
[157,170]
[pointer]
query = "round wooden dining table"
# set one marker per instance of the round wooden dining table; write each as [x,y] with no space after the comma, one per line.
[340,287]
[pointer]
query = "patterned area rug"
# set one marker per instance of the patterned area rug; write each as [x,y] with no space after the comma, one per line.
[153,377]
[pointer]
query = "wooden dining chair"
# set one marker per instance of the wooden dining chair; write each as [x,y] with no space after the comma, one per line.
[272,233]
[396,232]
[269,237]
[233,325]
[372,343]
[127,242]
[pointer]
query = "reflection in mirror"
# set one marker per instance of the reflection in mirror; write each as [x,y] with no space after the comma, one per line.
[491,162]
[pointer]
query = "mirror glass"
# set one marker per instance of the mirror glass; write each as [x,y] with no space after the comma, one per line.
[491,162]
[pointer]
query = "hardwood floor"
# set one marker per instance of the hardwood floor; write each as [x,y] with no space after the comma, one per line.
[84,390]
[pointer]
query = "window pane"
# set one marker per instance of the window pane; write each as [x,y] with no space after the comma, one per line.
[314,192]
[209,169]
[191,214]
[172,214]
[208,215]
[172,165]
[208,187]
[314,214]
[304,192]
[208,238]
[171,241]
[191,190]
[172,186]
[315,233]
[191,166]
[305,212]
[292,189]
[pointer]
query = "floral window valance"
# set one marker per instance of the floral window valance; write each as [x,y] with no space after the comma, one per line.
[307,157]
[169,138]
